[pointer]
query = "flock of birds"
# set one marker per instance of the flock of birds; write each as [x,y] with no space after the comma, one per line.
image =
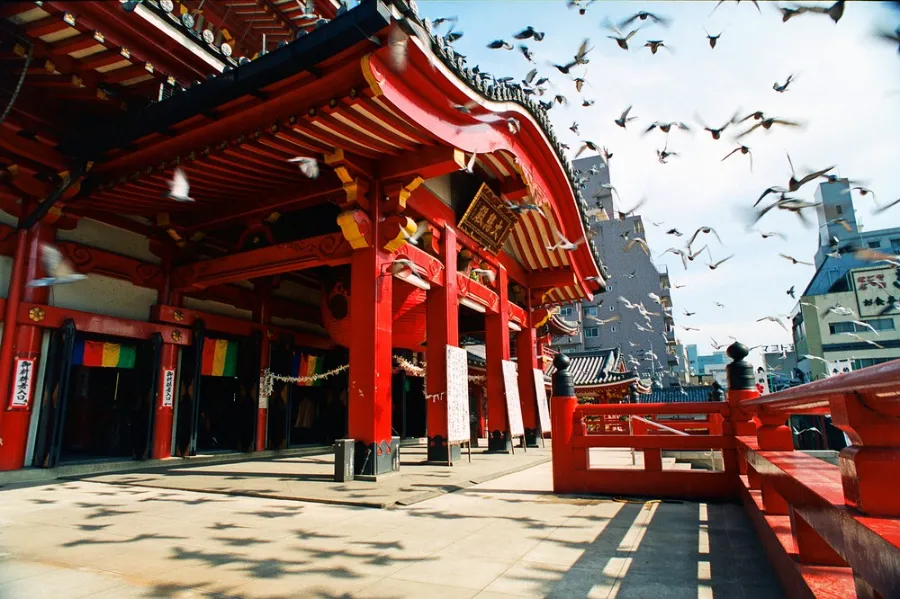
[779,197]
[59,270]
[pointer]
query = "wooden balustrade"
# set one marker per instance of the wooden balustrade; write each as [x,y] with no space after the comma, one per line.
[829,531]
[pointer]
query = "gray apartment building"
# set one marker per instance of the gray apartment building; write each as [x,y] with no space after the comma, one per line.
[647,341]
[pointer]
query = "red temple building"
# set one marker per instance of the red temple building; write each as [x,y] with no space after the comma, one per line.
[420,229]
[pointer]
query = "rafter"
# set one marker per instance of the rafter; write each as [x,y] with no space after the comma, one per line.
[324,250]
[426,163]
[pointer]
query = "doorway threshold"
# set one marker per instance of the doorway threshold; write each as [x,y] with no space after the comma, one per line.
[29,476]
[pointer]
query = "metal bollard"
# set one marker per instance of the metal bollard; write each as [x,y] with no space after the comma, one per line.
[344,456]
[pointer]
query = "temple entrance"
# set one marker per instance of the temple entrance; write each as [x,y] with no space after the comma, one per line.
[408,415]
[98,398]
[217,405]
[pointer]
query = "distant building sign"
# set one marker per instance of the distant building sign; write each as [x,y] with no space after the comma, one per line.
[23,374]
[877,290]
[777,349]
[487,220]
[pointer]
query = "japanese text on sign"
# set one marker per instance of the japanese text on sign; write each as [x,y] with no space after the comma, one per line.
[877,290]
[23,373]
[168,388]
[488,220]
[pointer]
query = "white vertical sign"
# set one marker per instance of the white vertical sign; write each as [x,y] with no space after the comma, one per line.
[541,394]
[458,426]
[513,407]
[23,374]
[168,399]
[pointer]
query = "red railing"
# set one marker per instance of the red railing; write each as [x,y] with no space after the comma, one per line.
[830,531]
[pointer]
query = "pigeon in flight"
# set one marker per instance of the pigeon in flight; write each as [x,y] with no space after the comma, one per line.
[774,319]
[643,16]
[715,265]
[565,244]
[624,118]
[794,184]
[794,260]
[179,187]
[743,150]
[308,166]
[500,45]
[713,39]
[421,229]
[490,275]
[716,133]
[781,88]
[637,241]
[655,45]
[705,230]
[59,270]
[790,292]
[768,123]
[530,32]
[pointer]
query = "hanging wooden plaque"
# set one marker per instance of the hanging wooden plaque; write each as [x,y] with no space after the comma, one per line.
[487,220]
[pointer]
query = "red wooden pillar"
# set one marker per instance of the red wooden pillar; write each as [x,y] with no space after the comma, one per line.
[369,400]
[565,463]
[21,341]
[773,435]
[166,390]
[442,330]
[526,356]
[166,396]
[496,351]
[262,315]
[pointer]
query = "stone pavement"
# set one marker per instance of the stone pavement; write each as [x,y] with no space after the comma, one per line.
[502,539]
[312,478]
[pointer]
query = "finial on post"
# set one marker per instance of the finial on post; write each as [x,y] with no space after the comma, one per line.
[562,380]
[740,372]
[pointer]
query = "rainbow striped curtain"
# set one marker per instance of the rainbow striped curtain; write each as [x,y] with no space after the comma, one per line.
[219,358]
[100,353]
[307,365]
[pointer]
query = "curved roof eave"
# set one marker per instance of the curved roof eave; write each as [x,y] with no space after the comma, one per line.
[537,152]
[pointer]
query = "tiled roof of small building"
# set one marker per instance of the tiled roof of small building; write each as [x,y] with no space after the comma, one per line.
[684,394]
[596,367]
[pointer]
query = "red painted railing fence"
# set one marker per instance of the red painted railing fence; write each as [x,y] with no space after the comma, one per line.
[829,531]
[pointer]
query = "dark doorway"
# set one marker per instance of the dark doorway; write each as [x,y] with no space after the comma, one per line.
[98,398]
[217,407]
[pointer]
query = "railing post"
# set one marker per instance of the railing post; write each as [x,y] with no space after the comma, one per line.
[870,468]
[773,435]
[564,402]
[741,387]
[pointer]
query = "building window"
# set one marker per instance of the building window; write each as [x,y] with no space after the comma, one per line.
[591,332]
[567,311]
[895,246]
[612,308]
[612,329]
[875,244]
[836,328]
[866,362]
[639,227]
[879,324]
[840,210]
[590,310]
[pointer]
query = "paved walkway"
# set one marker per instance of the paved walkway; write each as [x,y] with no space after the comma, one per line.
[312,478]
[502,539]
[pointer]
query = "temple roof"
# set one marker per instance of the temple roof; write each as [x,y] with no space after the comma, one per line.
[561,327]
[328,94]
[596,368]
[684,394]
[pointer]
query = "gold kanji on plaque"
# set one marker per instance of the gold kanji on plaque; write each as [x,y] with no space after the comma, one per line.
[487,220]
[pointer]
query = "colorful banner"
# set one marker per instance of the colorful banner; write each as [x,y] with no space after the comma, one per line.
[307,365]
[102,354]
[219,358]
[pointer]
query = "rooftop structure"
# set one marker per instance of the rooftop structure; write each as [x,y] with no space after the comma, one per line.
[243,286]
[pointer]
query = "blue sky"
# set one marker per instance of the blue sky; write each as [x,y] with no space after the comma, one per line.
[846,91]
